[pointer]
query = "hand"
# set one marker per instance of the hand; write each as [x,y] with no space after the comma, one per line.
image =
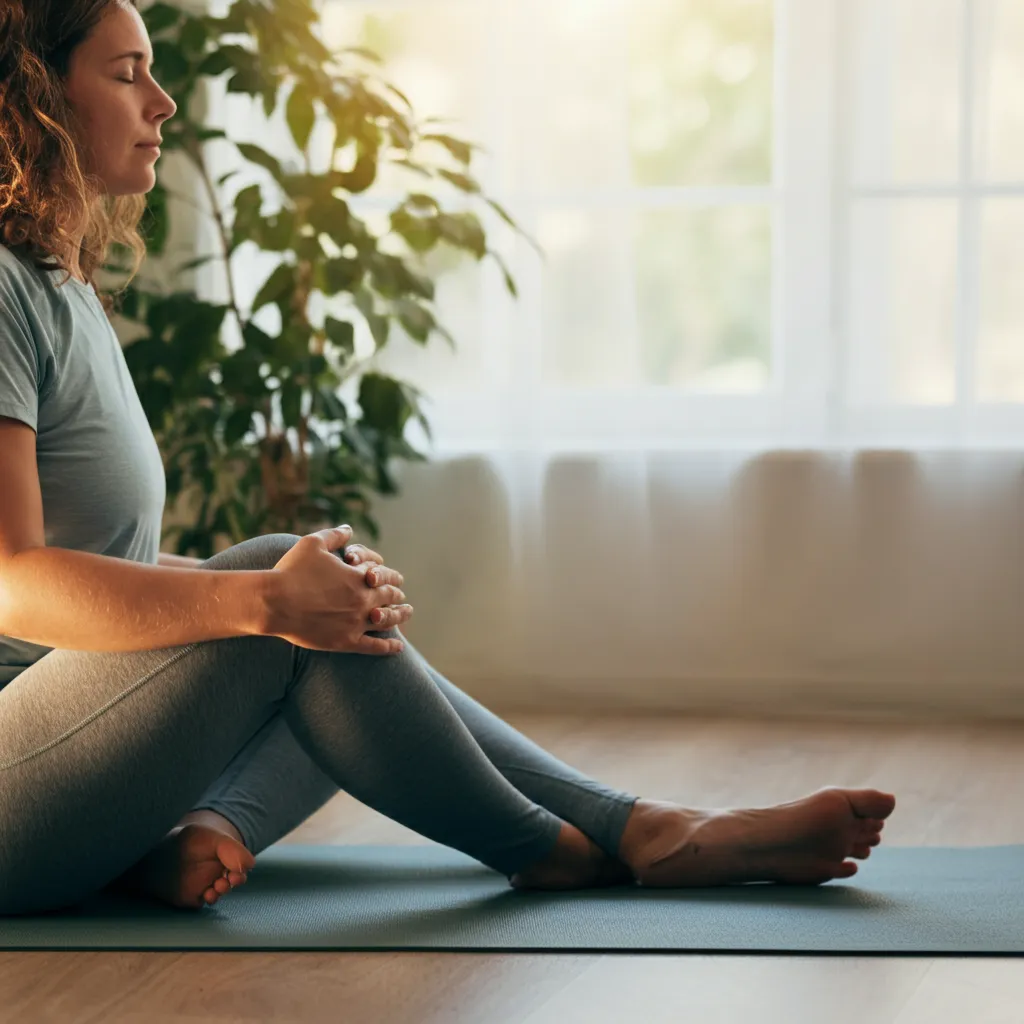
[358,554]
[318,602]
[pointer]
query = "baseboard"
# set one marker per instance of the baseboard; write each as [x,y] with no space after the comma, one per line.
[994,698]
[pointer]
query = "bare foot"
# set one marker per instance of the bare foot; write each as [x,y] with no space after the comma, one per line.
[576,862]
[805,842]
[191,867]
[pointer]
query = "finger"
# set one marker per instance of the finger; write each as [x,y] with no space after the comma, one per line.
[391,616]
[387,595]
[359,553]
[379,645]
[376,576]
[380,613]
[334,538]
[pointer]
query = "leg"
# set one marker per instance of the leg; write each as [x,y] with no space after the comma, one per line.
[594,808]
[661,843]
[665,844]
[102,752]
[272,786]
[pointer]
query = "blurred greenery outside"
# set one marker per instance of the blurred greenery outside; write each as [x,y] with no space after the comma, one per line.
[681,297]
[700,112]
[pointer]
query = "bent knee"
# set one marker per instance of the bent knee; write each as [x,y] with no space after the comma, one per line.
[262,552]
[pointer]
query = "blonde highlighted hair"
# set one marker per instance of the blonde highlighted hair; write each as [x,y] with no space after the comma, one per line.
[45,196]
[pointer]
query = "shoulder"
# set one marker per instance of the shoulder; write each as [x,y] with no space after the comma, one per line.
[32,288]
[19,277]
[32,310]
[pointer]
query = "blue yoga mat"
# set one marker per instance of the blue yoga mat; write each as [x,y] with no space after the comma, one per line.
[903,900]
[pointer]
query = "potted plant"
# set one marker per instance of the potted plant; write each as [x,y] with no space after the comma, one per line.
[258,437]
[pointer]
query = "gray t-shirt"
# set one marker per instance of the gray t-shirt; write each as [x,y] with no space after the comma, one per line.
[63,373]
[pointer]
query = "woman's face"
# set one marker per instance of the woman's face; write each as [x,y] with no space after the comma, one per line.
[119,103]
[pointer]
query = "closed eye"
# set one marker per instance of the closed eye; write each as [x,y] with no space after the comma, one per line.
[130,81]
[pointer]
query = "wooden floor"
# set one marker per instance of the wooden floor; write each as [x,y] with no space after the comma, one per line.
[956,784]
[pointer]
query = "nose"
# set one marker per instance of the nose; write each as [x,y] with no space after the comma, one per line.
[165,107]
[170,109]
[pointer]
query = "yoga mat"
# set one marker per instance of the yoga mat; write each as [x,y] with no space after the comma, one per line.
[427,897]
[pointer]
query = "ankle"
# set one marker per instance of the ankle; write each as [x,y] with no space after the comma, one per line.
[648,823]
[211,819]
[574,861]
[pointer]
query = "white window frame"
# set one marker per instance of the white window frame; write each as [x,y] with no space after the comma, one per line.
[538,416]
[966,423]
[805,403]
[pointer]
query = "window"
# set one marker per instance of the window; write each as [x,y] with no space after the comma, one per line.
[765,221]
[930,212]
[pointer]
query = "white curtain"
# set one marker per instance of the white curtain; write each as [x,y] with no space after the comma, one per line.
[750,435]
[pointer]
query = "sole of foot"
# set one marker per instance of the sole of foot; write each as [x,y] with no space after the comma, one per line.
[190,868]
[805,842]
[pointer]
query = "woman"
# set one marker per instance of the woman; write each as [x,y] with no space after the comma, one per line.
[162,723]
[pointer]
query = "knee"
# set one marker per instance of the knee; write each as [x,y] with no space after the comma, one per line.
[262,552]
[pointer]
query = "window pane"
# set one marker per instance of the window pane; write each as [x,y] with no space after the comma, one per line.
[434,53]
[564,102]
[904,90]
[902,302]
[704,297]
[1001,95]
[701,91]
[437,367]
[1000,351]
[587,341]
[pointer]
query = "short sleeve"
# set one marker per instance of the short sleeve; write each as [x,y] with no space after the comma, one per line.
[19,360]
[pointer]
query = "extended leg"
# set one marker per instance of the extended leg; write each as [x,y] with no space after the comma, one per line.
[273,785]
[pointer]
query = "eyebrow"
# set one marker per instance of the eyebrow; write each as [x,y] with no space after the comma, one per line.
[136,54]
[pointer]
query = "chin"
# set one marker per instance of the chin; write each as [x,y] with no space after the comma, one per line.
[133,190]
[133,184]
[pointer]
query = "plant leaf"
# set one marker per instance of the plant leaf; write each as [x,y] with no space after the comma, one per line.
[276,286]
[300,114]
[260,156]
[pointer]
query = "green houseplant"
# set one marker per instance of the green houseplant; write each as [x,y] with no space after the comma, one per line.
[258,436]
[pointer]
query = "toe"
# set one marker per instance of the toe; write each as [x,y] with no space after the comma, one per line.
[846,869]
[870,803]
[234,856]
[222,885]
[862,851]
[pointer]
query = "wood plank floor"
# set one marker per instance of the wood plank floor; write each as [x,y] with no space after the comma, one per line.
[956,784]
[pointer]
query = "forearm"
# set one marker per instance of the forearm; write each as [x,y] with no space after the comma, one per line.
[80,601]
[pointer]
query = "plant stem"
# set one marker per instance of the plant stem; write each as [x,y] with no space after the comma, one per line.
[196,153]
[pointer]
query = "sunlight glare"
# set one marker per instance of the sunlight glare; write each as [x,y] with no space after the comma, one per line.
[583,14]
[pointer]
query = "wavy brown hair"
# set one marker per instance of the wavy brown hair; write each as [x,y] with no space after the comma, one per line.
[44,193]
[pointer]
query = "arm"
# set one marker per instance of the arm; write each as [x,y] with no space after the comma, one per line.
[77,600]
[85,602]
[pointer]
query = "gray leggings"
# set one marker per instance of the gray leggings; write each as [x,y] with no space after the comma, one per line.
[102,752]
